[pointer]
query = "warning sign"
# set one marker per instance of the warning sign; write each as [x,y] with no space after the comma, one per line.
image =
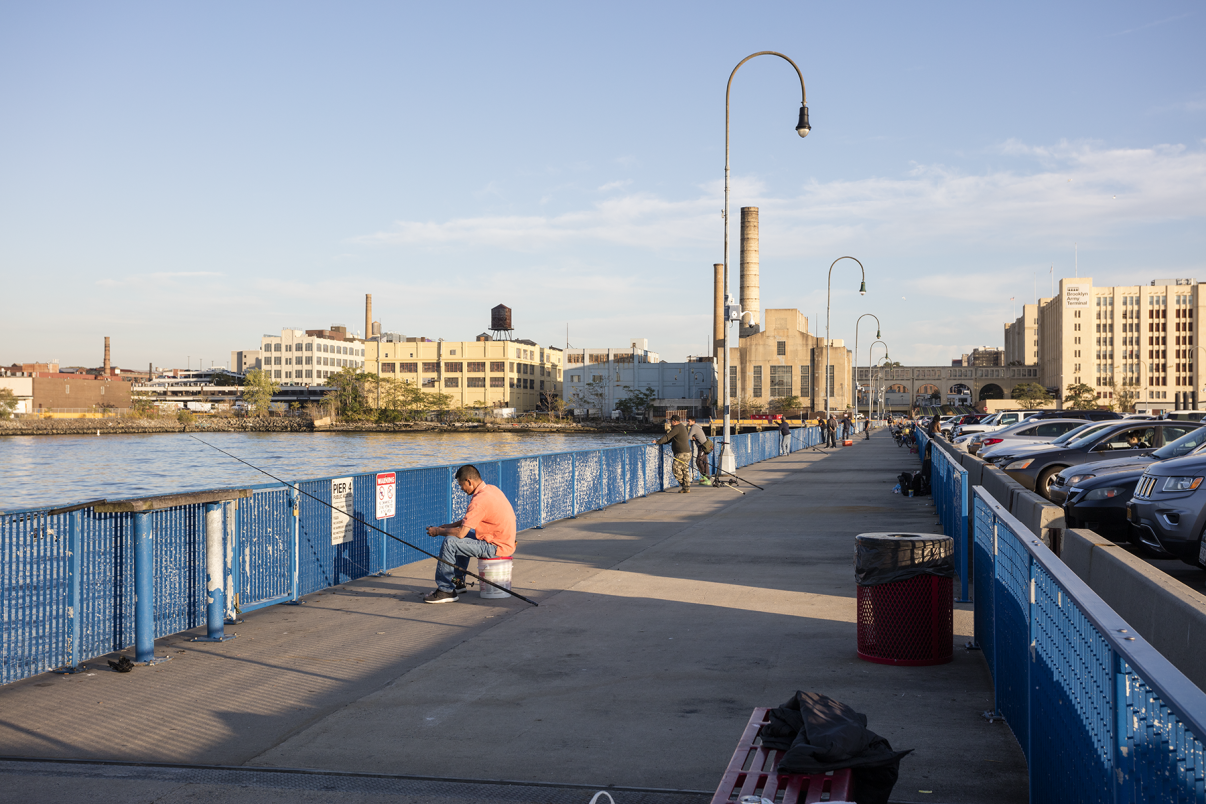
[387,487]
[341,510]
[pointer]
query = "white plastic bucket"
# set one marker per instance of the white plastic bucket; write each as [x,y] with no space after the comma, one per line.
[495,570]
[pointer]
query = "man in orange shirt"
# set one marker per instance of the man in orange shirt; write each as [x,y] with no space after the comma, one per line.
[486,531]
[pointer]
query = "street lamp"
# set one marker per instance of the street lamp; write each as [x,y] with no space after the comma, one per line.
[862,291]
[869,372]
[854,368]
[728,462]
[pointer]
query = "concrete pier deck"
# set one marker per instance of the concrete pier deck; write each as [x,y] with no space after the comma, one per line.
[662,623]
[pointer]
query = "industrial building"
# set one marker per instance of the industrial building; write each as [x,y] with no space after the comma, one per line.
[597,378]
[776,358]
[308,357]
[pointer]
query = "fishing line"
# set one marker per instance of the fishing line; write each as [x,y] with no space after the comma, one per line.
[366,524]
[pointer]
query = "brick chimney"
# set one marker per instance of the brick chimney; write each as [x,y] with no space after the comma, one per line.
[107,364]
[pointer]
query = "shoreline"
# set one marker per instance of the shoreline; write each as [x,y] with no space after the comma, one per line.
[128,426]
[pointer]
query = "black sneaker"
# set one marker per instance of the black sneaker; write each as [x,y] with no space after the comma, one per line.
[459,586]
[440,596]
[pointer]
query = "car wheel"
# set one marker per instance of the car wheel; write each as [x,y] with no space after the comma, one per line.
[1046,479]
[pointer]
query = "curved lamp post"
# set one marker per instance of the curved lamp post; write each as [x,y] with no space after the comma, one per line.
[869,370]
[862,291]
[854,368]
[727,460]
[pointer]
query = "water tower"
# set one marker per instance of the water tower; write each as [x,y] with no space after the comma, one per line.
[500,323]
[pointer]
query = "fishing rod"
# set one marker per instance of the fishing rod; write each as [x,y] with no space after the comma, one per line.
[366,524]
[742,479]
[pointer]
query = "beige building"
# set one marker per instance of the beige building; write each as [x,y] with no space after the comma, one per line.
[1139,338]
[308,357]
[497,374]
[1022,338]
[783,359]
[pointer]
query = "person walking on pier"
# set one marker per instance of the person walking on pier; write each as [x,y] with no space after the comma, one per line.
[784,437]
[680,445]
[486,531]
[702,446]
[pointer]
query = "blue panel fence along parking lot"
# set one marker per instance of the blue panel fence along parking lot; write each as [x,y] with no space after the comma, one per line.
[69,575]
[1100,715]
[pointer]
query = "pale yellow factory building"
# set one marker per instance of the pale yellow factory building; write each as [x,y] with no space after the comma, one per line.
[783,359]
[496,374]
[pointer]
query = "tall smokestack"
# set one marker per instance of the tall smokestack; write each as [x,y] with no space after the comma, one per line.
[718,315]
[368,316]
[107,365]
[749,266]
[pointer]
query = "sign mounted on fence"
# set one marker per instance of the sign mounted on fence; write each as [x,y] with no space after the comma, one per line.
[387,486]
[341,510]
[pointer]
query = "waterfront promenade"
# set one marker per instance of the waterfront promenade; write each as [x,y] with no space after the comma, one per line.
[663,622]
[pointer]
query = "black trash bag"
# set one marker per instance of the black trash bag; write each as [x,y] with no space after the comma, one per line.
[819,734]
[888,557]
[906,481]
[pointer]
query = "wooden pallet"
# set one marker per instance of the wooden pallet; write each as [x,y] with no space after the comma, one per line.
[751,772]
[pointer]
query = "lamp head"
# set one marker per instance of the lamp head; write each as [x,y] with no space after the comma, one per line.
[877,335]
[802,126]
[862,289]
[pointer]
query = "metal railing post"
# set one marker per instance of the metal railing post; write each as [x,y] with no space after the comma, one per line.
[74,580]
[215,577]
[573,485]
[233,563]
[539,492]
[965,535]
[295,559]
[144,590]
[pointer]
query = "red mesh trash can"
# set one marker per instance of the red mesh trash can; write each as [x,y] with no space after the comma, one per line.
[905,598]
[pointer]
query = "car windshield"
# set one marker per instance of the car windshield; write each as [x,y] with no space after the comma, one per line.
[1076,433]
[1085,437]
[1182,446]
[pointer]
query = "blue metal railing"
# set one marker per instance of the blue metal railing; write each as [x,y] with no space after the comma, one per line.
[1100,715]
[68,578]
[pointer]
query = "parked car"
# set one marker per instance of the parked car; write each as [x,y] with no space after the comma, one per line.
[1169,506]
[1098,498]
[1095,415]
[1192,437]
[1037,471]
[995,422]
[1030,431]
[1001,457]
[1186,415]
[967,418]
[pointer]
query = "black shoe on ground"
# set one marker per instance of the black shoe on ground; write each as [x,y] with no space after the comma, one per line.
[440,596]
[459,586]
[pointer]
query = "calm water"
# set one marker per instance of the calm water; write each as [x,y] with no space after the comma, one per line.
[60,470]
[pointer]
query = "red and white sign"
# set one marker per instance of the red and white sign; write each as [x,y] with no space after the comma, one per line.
[387,486]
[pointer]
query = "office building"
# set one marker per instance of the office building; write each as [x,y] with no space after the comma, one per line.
[308,357]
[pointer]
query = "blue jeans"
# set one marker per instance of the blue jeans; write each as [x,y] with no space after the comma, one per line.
[459,551]
[785,444]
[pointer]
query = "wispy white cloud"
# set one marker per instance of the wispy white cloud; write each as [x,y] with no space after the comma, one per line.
[156,277]
[1152,24]
[1050,191]
[614,185]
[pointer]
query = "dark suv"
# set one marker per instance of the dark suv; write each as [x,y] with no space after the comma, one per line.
[1037,470]
[1169,506]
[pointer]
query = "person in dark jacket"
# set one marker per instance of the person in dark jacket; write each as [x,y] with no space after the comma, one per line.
[698,438]
[784,437]
[680,444]
[831,431]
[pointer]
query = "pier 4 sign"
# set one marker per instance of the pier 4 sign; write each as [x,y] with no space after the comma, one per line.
[387,487]
[341,510]
[1077,295]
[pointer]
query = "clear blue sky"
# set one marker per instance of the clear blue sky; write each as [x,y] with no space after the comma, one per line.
[187,177]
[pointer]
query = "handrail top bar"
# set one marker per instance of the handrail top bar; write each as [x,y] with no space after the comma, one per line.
[1175,690]
[141,504]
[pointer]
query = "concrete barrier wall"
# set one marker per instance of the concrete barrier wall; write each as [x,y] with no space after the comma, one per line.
[1164,611]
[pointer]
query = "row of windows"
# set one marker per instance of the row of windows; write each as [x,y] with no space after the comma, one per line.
[480,382]
[473,367]
[310,374]
[311,346]
[319,360]
[780,381]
